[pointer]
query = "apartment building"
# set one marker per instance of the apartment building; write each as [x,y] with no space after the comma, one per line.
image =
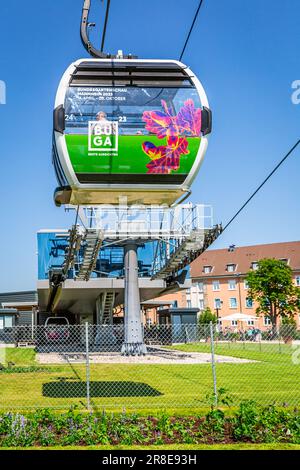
[219,279]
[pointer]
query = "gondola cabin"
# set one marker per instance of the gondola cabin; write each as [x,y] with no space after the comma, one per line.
[128,130]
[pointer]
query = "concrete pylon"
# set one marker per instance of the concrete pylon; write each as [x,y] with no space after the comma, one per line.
[134,338]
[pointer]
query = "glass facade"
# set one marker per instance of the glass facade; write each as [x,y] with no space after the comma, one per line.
[53,246]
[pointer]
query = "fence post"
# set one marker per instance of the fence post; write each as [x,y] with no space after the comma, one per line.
[213,364]
[259,340]
[186,335]
[87,365]
[279,342]
[243,337]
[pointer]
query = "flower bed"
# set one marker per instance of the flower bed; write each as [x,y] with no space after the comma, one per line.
[250,423]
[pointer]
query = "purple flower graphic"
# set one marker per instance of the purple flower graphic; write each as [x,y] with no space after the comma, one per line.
[175,128]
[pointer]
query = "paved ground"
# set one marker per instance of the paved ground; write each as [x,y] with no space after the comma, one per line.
[156,356]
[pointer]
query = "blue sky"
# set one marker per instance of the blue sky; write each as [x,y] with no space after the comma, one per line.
[245,53]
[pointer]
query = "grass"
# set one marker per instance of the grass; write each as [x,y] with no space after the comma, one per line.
[266,352]
[149,387]
[20,356]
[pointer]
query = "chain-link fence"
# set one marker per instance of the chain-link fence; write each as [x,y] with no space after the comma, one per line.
[185,366]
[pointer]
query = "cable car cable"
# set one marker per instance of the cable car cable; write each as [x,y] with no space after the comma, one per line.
[262,184]
[191,29]
[105,25]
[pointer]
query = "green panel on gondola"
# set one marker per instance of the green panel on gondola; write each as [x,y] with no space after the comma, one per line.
[145,131]
[130,157]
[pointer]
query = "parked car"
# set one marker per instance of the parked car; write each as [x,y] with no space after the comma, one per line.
[57,329]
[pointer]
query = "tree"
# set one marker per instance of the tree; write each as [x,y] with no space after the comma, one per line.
[207,316]
[271,286]
[288,329]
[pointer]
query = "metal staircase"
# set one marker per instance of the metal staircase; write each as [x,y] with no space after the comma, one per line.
[93,240]
[107,307]
[186,251]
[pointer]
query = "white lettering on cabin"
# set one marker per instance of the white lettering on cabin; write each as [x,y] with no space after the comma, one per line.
[102,136]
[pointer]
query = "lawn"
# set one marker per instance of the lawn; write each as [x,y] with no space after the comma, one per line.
[150,387]
[20,356]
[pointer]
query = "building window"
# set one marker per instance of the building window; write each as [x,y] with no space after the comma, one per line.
[234,322]
[246,285]
[267,321]
[189,303]
[254,265]
[201,304]
[216,285]
[207,269]
[188,291]
[232,302]
[250,322]
[174,304]
[297,280]
[200,286]
[231,284]
[6,321]
[220,322]
[218,303]
[284,260]
[231,268]
[249,302]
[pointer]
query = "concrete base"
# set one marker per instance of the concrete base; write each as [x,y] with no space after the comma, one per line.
[133,349]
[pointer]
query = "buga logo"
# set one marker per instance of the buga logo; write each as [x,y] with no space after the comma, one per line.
[103,136]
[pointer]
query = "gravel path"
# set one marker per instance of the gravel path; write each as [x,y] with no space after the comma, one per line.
[156,356]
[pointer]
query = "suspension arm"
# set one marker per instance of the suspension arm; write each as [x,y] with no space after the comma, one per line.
[84,33]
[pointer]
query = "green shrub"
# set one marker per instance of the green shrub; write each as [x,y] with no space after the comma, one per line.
[206,317]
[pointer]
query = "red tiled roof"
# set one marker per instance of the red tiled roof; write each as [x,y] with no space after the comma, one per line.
[243,257]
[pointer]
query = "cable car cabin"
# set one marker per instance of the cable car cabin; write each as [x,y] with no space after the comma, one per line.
[134,129]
